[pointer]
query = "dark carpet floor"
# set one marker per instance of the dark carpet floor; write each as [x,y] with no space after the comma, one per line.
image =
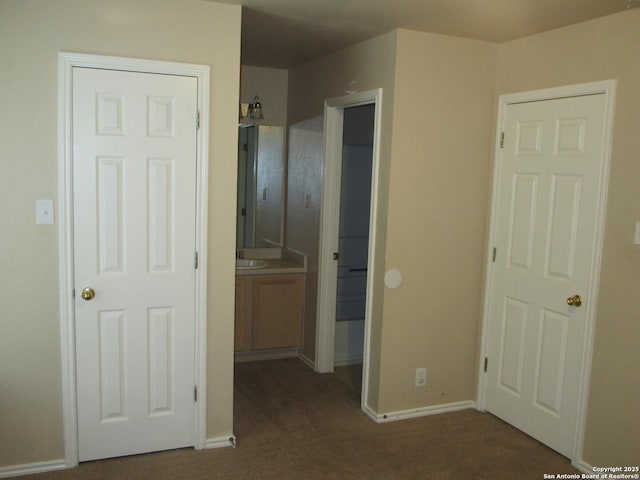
[292,423]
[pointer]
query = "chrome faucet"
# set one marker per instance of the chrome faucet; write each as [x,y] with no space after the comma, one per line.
[239,253]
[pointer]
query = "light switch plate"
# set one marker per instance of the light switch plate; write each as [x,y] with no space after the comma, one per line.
[44,212]
[636,237]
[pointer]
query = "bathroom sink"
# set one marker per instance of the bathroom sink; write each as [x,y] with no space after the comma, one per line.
[247,263]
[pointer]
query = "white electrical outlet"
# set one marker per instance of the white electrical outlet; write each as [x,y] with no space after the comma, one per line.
[421,377]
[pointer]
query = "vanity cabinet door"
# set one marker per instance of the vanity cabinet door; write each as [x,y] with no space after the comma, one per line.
[242,340]
[277,307]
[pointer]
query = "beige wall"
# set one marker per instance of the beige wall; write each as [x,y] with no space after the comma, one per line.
[606,48]
[32,32]
[365,66]
[271,85]
[437,218]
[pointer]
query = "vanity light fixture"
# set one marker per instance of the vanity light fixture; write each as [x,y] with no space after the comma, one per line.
[255,109]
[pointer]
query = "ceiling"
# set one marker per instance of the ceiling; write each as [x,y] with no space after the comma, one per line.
[285,33]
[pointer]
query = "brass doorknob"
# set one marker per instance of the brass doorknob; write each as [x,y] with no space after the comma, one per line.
[88,293]
[574,301]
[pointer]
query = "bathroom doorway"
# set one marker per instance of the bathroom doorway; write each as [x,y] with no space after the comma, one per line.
[353,243]
[330,249]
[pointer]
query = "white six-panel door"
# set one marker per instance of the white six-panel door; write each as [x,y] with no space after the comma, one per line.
[545,229]
[134,174]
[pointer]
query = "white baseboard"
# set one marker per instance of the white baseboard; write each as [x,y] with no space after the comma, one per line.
[583,466]
[420,412]
[275,354]
[31,468]
[42,467]
[220,442]
[306,360]
[341,362]
[370,413]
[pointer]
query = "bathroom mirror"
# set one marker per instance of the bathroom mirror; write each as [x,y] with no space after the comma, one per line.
[260,186]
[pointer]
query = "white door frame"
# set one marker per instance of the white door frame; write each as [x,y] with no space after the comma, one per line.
[608,89]
[66,63]
[330,225]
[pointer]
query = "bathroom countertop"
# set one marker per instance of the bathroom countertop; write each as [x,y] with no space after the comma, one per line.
[274,266]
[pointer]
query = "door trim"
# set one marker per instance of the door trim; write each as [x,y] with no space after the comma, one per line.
[329,226]
[66,62]
[607,88]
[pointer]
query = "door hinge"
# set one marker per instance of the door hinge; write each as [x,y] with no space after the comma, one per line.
[336,255]
[486,363]
[195,393]
[195,260]
[73,293]
[198,120]
[493,257]
[501,139]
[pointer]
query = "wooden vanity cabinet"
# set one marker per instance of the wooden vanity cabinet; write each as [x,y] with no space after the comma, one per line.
[276,315]
[269,312]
